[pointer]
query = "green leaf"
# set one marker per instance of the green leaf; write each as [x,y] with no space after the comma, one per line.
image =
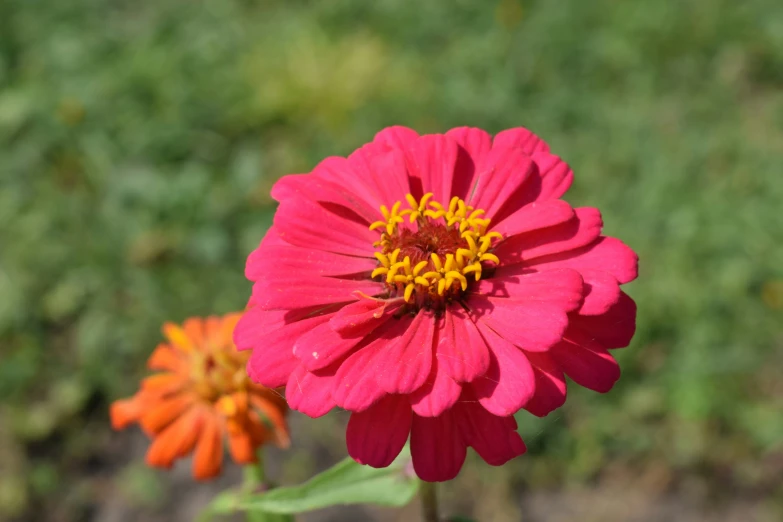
[260,516]
[224,503]
[345,483]
[228,502]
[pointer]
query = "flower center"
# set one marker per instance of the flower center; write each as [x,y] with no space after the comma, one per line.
[429,259]
[219,373]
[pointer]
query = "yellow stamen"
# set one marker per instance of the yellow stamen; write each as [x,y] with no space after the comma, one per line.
[419,267]
[490,257]
[436,275]
[421,281]
[456,275]
[441,286]
[379,271]
[436,262]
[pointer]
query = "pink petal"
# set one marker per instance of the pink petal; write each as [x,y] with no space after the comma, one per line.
[606,253]
[522,138]
[602,291]
[614,329]
[307,224]
[437,448]
[341,172]
[376,435]
[563,288]
[494,438]
[501,175]
[310,393]
[586,361]
[461,351]
[255,325]
[550,385]
[273,360]
[355,386]
[299,291]
[582,230]
[322,346]
[396,137]
[317,189]
[279,260]
[532,325]
[535,216]
[431,161]
[363,316]
[474,145]
[405,363]
[272,238]
[384,171]
[438,394]
[555,173]
[509,382]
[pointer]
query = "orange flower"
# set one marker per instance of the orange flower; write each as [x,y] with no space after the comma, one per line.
[202,395]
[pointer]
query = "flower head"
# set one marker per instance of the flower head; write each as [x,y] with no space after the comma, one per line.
[200,396]
[434,286]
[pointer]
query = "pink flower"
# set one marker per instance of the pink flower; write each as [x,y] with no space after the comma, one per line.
[434,286]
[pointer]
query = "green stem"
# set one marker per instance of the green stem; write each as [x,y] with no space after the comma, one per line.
[254,474]
[429,502]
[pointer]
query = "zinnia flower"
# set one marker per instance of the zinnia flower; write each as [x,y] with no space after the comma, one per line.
[201,396]
[434,286]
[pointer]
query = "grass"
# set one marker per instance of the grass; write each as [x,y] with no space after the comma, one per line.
[140,141]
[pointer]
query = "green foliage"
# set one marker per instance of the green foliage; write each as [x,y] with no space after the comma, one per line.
[344,483]
[140,139]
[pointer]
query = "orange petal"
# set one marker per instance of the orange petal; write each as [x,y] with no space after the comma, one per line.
[178,338]
[208,458]
[162,413]
[164,357]
[126,411]
[227,328]
[275,418]
[241,447]
[175,441]
[194,329]
[162,384]
[272,396]
[212,326]
[258,431]
[240,398]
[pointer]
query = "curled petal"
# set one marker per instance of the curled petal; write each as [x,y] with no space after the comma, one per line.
[494,438]
[311,392]
[509,382]
[403,366]
[550,385]
[437,447]
[586,361]
[438,394]
[376,435]
[461,351]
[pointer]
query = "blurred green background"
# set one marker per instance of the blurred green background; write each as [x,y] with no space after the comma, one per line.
[139,140]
